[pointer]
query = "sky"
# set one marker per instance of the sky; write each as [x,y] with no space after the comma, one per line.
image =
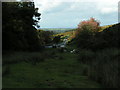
[69,13]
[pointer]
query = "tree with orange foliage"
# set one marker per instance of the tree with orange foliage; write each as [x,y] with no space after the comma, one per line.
[86,31]
[92,25]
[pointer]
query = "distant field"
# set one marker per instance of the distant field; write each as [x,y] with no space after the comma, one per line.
[57,30]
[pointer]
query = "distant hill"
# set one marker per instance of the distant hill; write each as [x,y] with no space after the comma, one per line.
[57,30]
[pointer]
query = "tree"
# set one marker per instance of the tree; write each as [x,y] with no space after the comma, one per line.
[18,24]
[91,25]
[45,36]
[86,32]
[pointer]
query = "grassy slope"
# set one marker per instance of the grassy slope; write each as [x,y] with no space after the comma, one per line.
[106,26]
[60,71]
[70,34]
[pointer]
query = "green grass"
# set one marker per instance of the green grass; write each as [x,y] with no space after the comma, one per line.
[61,71]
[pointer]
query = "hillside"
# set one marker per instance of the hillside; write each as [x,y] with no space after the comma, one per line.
[111,35]
[106,26]
[71,33]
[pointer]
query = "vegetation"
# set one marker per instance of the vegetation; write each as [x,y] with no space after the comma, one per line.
[109,37]
[102,66]
[18,24]
[69,34]
[86,32]
[45,37]
[99,50]
[57,70]
[88,58]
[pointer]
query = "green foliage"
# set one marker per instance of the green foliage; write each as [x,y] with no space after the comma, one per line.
[18,30]
[45,37]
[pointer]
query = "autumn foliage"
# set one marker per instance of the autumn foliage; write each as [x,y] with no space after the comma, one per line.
[92,25]
[86,31]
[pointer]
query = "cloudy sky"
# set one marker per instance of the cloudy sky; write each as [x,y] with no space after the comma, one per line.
[68,13]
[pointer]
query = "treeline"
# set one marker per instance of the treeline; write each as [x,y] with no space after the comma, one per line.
[18,25]
[100,51]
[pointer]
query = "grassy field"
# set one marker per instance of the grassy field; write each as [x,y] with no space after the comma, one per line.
[57,70]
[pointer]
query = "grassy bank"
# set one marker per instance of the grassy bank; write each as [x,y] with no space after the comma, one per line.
[102,66]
